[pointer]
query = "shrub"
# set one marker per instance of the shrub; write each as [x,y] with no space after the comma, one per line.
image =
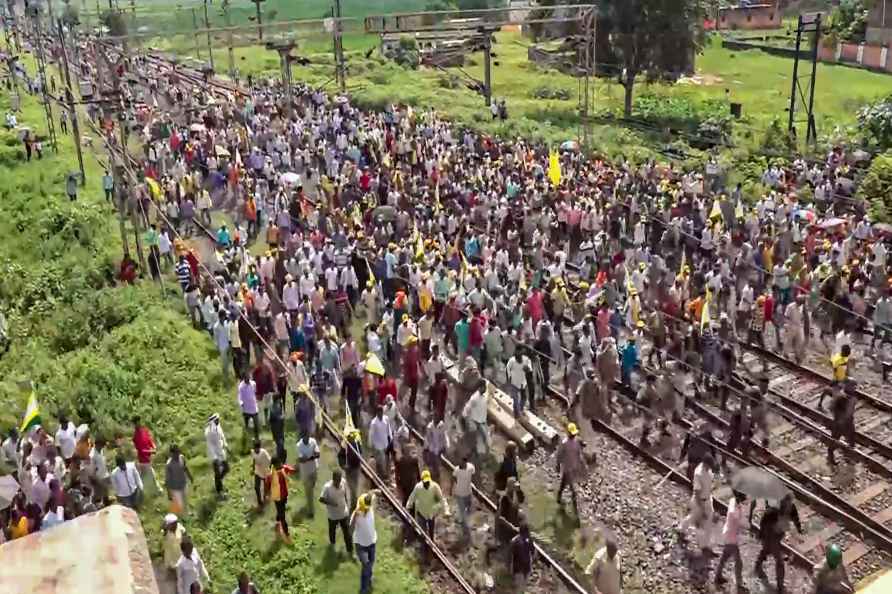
[876,188]
[875,123]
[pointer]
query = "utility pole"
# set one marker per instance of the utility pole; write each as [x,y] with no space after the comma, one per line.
[41,67]
[207,26]
[285,58]
[806,24]
[259,18]
[195,28]
[487,67]
[231,55]
[340,71]
[69,95]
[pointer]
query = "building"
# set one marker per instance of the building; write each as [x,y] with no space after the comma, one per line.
[749,16]
[101,553]
[879,23]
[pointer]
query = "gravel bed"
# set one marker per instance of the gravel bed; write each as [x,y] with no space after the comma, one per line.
[869,564]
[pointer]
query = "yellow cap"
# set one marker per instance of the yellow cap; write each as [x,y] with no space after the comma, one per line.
[425,475]
[405,317]
[640,324]
[572,429]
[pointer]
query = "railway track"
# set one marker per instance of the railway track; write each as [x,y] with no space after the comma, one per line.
[856,516]
[550,564]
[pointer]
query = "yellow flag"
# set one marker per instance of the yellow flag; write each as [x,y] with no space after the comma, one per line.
[554,169]
[419,247]
[371,274]
[349,427]
[154,188]
[704,315]
[716,212]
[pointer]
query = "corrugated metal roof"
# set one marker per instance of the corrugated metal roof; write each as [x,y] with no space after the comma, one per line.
[101,553]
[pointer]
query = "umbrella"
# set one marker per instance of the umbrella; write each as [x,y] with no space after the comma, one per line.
[196,128]
[373,365]
[830,223]
[758,484]
[808,215]
[570,145]
[8,488]
[384,213]
[221,151]
[290,178]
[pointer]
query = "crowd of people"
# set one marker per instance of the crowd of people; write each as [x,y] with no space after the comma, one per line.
[371,253]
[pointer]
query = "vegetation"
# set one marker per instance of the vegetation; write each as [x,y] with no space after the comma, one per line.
[649,37]
[875,123]
[103,352]
[876,188]
[848,21]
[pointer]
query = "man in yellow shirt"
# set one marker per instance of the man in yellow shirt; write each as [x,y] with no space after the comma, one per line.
[428,501]
[839,364]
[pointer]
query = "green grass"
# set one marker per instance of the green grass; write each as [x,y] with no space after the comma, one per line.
[104,353]
[759,81]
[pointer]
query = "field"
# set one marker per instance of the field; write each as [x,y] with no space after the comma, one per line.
[760,82]
[102,353]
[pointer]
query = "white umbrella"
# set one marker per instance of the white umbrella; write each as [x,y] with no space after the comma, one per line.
[221,151]
[196,128]
[290,178]
[830,223]
[8,488]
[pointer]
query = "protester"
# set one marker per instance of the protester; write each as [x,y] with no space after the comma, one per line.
[127,483]
[336,498]
[362,526]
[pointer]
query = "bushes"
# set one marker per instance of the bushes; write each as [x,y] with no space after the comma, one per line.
[707,118]
[875,123]
[876,188]
[545,92]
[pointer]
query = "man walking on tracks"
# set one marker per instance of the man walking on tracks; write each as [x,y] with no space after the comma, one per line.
[843,424]
[772,529]
[570,463]
[730,541]
[701,512]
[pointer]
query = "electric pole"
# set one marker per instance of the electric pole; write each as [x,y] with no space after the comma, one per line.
[259,18]
[41,67]
[340,71]
[72,110]
[207,26]
[807,24]
[195,28]
[231,55]
[487,67]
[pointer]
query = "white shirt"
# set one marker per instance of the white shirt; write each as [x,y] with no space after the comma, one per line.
[703,477]
[364,533]
[216,442]
[476,408]
[190,570]
[463,476]
[516,372]
[125,482]
[65,439]
[98,464]
[607,572]
[9,451]
[380,433]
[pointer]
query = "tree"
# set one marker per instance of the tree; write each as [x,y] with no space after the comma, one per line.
[71,15]
[115,22]
[651,37]
[875,122]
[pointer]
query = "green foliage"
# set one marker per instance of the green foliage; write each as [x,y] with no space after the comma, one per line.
[875,123]
[71,15]
[848,21]
[707,118]
[115,21]
[876,188]
[549,92]
[776,140]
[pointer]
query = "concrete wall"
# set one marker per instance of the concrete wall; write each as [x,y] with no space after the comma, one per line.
[763,16]
[871,56]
